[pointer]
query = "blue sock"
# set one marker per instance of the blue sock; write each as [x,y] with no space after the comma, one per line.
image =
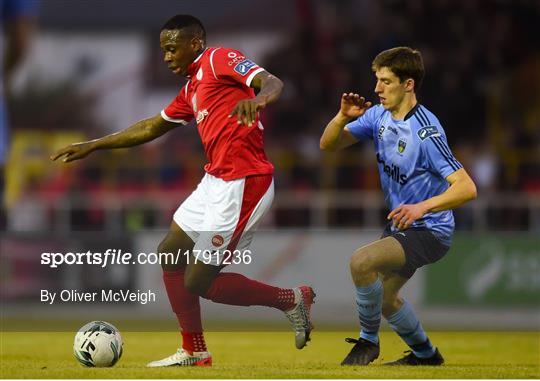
[405,323]
[369,307]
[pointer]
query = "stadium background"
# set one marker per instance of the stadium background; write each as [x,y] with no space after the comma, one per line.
[95,67]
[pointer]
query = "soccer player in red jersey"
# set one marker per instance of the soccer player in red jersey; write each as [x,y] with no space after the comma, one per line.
[221,215]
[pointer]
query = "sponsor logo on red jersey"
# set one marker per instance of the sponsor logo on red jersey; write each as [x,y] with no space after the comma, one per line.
[243,67]
[218,79]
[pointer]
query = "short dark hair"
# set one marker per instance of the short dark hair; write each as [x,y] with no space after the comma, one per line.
[188,23]
[404,62]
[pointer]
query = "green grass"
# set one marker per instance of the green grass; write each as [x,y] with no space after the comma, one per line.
[272,355]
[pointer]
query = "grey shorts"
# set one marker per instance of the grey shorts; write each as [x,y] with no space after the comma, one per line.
[421,247]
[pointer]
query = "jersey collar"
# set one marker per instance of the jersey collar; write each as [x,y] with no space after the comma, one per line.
[412,111]
[195,65]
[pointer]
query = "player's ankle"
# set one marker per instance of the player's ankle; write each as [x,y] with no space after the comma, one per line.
[188,351]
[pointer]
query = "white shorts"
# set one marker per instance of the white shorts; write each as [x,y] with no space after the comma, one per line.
[222,216]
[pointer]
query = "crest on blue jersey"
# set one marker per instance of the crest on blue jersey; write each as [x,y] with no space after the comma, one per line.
[243,67]
[381,130]
[401,145]
[427,132]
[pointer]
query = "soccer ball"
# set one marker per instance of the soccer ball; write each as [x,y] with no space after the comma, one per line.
[98,344]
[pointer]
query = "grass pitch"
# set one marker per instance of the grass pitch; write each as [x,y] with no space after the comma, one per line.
[272,355]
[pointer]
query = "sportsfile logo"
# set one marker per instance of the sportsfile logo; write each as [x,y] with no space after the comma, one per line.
[392,171]
[119,257]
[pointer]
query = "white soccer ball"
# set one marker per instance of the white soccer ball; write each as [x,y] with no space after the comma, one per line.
[98,344]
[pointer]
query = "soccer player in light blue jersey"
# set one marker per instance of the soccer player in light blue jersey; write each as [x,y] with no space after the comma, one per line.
[422,182]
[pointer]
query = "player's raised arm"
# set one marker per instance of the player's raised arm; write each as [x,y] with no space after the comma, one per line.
[269,89]
[335,135]
[139,133]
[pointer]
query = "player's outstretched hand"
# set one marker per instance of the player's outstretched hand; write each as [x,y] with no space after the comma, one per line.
[353,105]
[404,215]
[73,152]
[246,111]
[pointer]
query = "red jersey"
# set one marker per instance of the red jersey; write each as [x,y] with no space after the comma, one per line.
[218,79]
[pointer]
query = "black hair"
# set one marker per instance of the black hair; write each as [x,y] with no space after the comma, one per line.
[188,23]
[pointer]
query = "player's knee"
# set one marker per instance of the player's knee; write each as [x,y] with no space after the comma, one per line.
[361,262]
[195,285]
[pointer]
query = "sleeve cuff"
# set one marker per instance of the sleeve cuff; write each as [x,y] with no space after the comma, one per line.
[168,119]
[252,75]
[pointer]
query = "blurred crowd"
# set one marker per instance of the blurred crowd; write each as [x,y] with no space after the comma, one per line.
[482,78]
[482,81]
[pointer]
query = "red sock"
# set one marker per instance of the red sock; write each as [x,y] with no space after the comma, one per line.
[237,290]
[187,308]
[193,342]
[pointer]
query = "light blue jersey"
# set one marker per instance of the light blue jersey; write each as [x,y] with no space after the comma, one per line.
[414,160]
